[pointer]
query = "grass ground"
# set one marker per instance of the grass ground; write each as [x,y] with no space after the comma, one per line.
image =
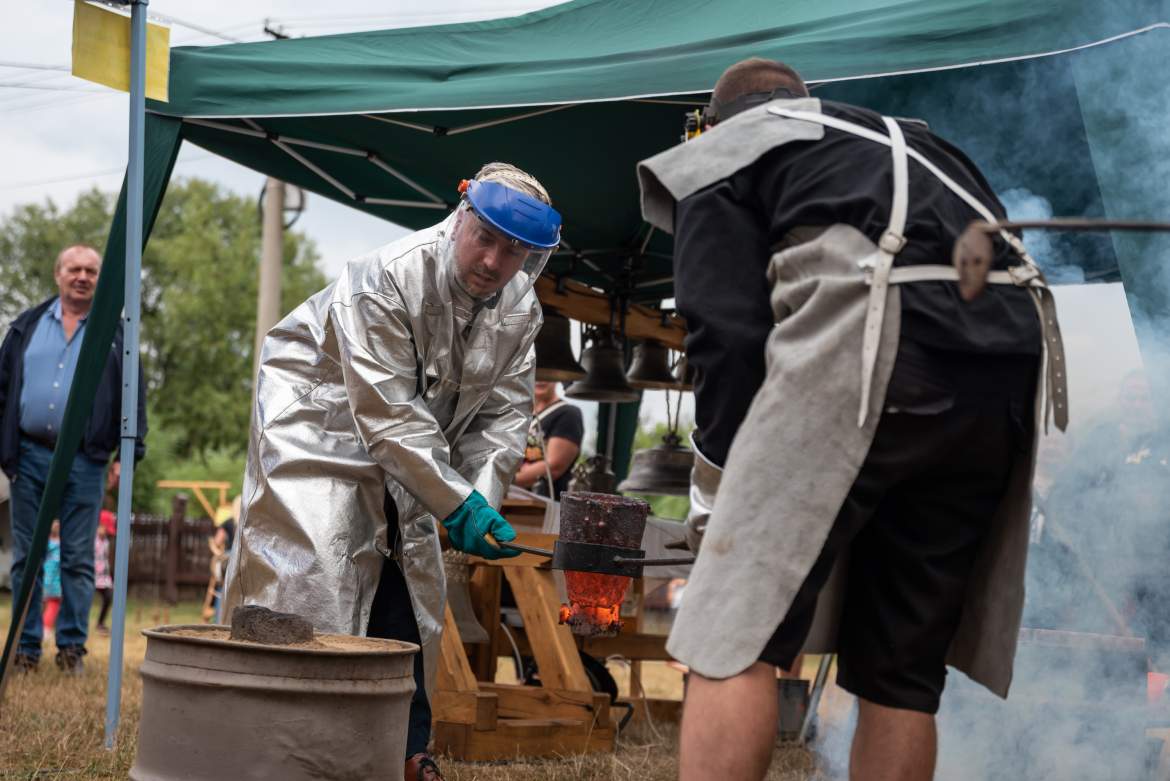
[51,726]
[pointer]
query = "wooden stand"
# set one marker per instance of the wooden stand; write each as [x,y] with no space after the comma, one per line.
[478,719]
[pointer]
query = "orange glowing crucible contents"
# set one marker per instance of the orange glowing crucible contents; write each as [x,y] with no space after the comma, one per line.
[595,602]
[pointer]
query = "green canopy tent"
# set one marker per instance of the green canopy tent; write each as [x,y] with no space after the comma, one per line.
[389,121]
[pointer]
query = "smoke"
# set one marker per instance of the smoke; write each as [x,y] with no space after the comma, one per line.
[1077,135]
[1023,204]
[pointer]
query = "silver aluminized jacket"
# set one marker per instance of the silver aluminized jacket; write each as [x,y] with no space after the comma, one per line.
[388,379]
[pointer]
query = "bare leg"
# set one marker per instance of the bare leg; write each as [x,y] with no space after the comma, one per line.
[892,744]
[729,726]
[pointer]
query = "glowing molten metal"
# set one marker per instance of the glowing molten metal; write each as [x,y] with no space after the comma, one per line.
[595,599]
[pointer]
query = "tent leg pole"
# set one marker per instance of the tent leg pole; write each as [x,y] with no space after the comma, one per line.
[134,178]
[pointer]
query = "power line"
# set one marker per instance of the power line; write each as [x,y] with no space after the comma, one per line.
[91,175]
[200,28]
[32,66]
[61,88]
[38,105]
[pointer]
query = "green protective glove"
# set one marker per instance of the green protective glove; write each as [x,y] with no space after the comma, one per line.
[467,526]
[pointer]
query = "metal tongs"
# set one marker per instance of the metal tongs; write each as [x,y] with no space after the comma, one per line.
[597,559]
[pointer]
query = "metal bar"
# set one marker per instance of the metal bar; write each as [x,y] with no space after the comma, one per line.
[655,562]
[814,698]
[344,150]
[505,120]
[295,155]
[243,131]
[397,202]
[646,241]
[527,549]
[373,158]
[1074,224]
[130,315]
[401,123]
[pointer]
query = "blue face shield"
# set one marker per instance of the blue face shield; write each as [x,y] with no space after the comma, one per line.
[521,218]
[528,227]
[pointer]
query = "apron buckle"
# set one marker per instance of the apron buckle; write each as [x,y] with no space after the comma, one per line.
[1023,274]
[891,242]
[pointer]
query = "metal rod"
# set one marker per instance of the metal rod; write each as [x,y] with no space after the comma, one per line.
[294,154]
[1074,224]
[132,305]
[373,158]
[654,562]
[505,120]
[814,699]
[407,204]
[527,549]
[243,131]
[401,123]
[646,241]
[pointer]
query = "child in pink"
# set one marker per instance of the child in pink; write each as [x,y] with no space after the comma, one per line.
[103,583]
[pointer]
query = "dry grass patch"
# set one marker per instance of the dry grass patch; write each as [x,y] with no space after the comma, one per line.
[52,726]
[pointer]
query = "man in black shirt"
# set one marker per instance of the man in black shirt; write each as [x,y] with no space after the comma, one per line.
[812,249]
[554,442]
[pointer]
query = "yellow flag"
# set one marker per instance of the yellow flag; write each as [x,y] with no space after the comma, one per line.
[101,49]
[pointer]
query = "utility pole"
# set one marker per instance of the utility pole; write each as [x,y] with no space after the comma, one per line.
[271,261]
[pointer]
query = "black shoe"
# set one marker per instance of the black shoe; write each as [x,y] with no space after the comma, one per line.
[24,663]
[70,660]
[421,767]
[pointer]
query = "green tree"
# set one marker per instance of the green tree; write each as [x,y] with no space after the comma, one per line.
[198,312]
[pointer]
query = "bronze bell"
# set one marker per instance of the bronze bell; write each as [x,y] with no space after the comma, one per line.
[650,369]
[605,378]
[554,351]
[664,469]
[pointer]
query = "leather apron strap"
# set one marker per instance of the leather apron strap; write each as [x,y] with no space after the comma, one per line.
[880,274]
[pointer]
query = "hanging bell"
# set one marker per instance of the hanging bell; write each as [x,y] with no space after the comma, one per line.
[661,470]
[650,369]
[605,378]
[554,351]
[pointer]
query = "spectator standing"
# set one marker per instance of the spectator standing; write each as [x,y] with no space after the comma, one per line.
[37,361]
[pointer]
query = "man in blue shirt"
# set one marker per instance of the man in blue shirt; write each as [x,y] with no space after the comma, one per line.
[37,362]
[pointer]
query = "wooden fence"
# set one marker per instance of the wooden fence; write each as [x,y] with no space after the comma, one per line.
[166,553]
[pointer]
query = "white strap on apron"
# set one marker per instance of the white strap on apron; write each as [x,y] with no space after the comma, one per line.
[882,274]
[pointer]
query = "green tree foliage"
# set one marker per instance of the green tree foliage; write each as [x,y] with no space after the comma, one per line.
[198,314]
[646,438]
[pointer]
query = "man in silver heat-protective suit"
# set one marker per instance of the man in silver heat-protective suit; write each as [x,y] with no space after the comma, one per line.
[399,395]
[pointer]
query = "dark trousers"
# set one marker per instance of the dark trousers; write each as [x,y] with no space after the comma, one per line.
[913,524]
[392,617]
[106,595]
[80,504]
